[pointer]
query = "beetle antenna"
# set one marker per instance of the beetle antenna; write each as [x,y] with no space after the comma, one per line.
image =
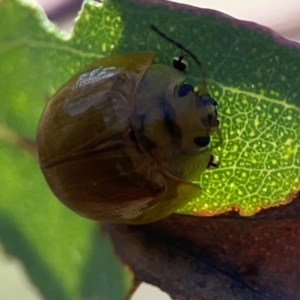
[193,56]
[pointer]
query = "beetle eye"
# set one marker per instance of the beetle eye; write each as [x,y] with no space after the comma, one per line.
[179,63]
[185,89]
[202,141]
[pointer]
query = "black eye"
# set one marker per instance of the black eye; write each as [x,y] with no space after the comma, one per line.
[185,89]
[179,63]
[202,141]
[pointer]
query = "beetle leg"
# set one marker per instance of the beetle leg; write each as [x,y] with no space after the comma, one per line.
[212,162]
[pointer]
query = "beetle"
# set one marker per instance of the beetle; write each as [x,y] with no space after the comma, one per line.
[124,139]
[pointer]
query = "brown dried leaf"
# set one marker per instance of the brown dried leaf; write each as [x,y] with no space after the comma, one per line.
[224,257]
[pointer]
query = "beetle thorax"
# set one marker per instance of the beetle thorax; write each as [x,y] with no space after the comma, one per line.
[166,123]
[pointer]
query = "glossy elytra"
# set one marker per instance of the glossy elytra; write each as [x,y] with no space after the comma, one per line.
[124,139]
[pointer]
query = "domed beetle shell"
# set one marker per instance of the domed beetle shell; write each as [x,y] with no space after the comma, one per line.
[117,141]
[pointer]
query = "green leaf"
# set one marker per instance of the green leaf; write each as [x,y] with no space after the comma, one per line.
[253,74]
[63,253]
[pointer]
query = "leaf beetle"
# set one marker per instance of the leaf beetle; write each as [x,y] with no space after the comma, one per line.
[124,139]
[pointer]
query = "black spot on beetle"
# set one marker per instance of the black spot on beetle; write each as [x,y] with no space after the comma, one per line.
[179,64]
[202,141]
[185,89]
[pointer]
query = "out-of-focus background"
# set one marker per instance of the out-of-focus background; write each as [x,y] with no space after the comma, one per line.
[280,15]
